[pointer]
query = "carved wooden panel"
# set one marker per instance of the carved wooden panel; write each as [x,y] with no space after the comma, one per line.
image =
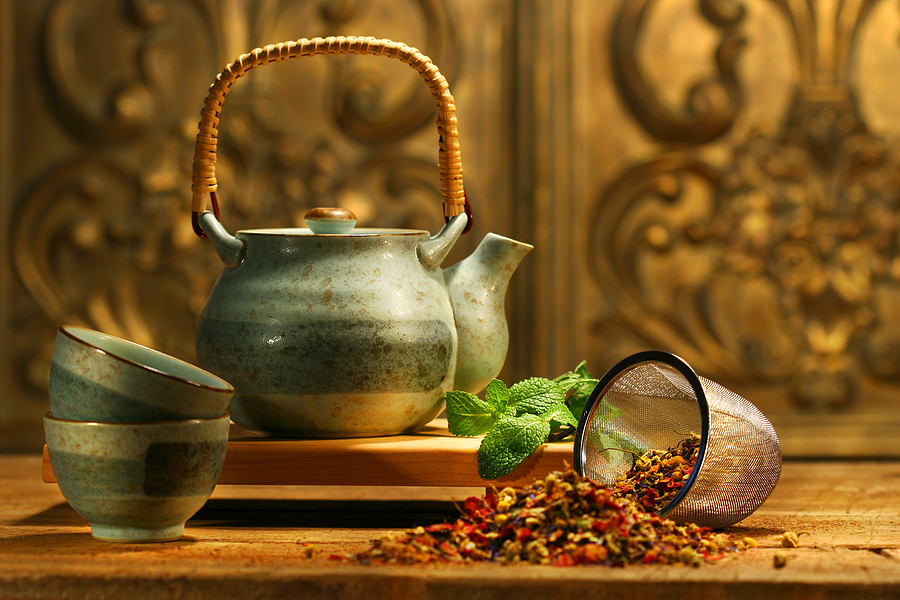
[100,127]
[740,164]
[711,177]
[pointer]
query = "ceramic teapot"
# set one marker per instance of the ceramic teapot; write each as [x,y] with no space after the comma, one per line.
[337,331]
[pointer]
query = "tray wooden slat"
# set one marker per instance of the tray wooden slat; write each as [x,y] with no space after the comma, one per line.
[430,457]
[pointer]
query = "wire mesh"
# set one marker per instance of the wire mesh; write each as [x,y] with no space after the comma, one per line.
[651,401]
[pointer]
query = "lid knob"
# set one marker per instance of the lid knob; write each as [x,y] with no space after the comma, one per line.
[330,220]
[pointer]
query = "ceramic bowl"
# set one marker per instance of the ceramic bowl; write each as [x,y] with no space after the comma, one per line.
[137,482]
[99,377]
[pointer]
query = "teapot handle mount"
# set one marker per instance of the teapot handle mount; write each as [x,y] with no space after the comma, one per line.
[453,195]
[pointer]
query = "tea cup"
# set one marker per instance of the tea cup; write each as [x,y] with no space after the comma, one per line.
[95,376]
[137,482]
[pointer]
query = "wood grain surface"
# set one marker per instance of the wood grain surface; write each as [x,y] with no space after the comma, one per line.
[251,541]
[430,457]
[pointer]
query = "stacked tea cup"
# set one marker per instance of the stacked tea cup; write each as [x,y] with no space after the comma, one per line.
[136,438]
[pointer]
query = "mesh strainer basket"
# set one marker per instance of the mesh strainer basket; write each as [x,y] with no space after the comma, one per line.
[651,401]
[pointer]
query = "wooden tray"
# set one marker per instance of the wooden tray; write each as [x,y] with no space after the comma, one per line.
[430,457]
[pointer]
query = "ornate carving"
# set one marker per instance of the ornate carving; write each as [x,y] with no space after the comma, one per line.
[361,108]
[781,266]
[710,107]
[98,246]
[114,86]
[105,240]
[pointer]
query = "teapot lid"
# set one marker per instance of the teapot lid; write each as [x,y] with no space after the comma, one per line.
[330,219]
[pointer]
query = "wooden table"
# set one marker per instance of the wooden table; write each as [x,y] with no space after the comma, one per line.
[249,541]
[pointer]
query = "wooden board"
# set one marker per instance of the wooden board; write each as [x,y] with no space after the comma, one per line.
[250,542]
[430,457]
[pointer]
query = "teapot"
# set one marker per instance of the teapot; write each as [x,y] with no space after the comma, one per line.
[338,331]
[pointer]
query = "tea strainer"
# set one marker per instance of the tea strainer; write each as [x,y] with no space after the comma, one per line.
[651,401]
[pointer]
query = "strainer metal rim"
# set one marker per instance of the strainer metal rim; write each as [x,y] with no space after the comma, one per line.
[602,387]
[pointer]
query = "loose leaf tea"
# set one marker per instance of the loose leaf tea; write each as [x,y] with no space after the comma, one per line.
[657,477]
[564,519]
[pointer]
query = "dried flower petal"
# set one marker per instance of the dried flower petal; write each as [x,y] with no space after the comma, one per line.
[564,519]
[657,477]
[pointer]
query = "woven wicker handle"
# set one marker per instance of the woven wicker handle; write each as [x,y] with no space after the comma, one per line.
[204,176]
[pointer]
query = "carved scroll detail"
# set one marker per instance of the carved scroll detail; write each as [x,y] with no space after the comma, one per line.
[103,239]
[782,265]
[710,107]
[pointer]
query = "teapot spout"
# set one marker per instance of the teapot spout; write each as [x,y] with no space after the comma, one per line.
[477,286]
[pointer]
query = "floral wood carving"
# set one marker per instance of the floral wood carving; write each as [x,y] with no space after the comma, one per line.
[782,265]
[711,105]
[103,237]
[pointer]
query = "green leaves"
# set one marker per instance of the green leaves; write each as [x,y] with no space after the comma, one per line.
[615,446]
[516,421]
[535,396]
[509,442]
[578,385]
[467,414]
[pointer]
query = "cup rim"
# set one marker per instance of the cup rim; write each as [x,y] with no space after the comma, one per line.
[49,417]
[69,331]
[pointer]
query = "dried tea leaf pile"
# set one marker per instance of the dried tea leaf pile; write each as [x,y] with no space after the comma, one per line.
[656,477]
[563,520]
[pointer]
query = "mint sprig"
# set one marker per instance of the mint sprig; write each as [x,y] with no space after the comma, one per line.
[516,421]
[578,385]
[509,442]
[535,396]
[468,415]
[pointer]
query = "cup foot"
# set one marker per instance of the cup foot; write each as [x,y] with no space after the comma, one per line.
[117,533]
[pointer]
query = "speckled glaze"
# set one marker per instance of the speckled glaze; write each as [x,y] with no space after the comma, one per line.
[349,335]
[478,289]
[98,377]
[137,482]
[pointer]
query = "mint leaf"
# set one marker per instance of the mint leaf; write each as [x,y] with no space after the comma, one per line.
[467,414]
[518,419]
[576,378]
[576,404]
[562,422]
[497,395]
[510,441]
[535,396]
[619,450]
[608,411]
[578,385]
[559,416]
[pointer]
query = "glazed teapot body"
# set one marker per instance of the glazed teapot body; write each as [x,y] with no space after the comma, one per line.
[342,332]
[336,335]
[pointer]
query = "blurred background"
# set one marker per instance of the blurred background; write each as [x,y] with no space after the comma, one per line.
[714,178]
